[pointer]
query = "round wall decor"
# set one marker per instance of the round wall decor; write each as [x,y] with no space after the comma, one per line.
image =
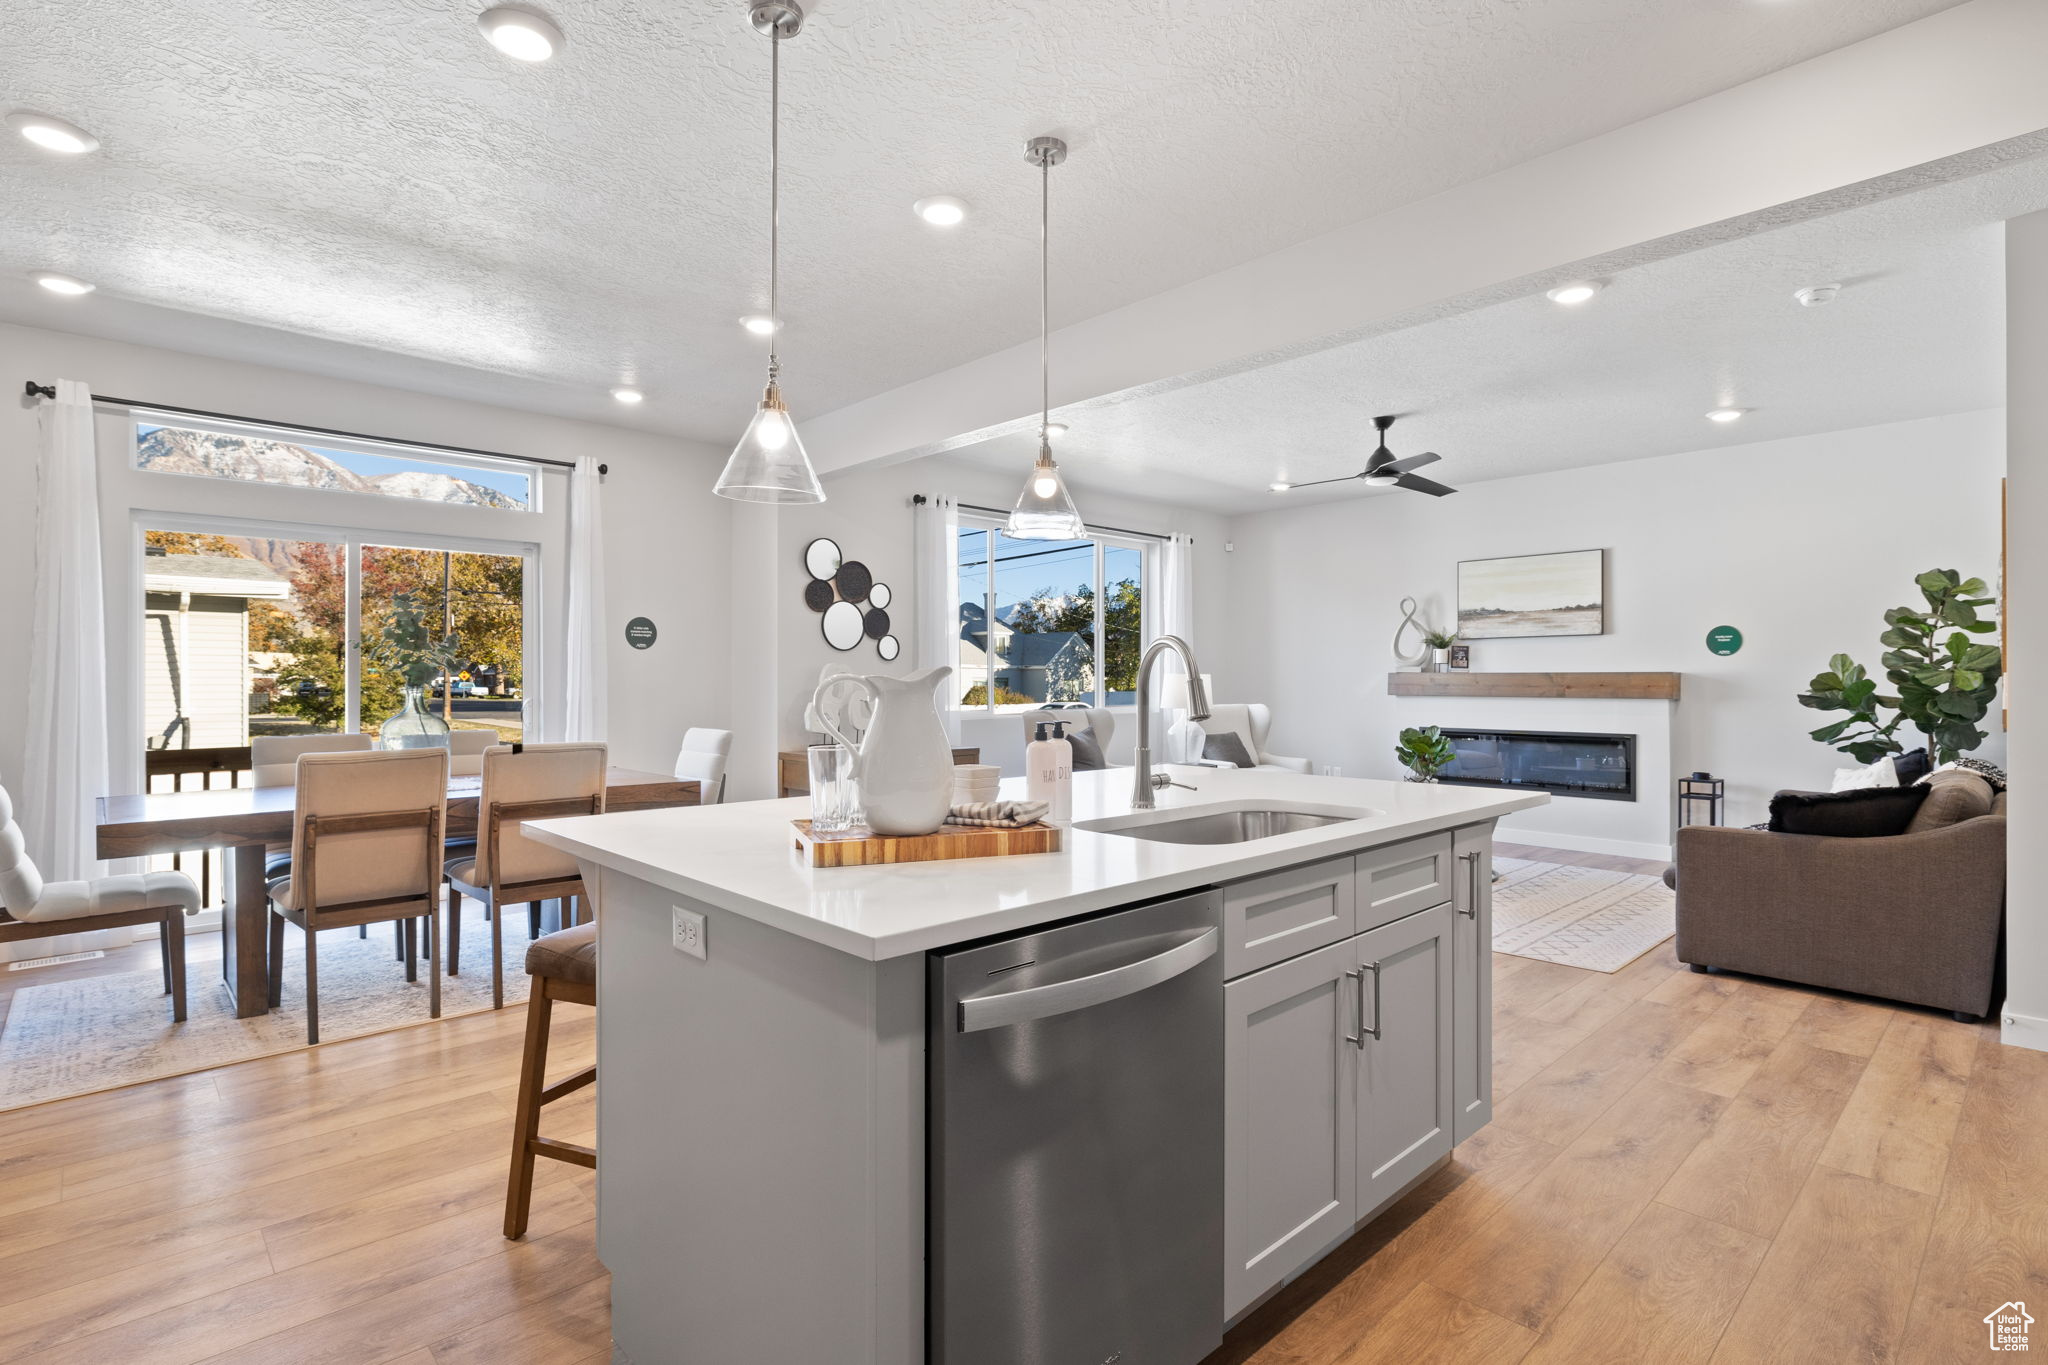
[854,580]
[876,623]
[819,594]
[640,632]
[879,595]
[843,625]
[887,647]
[1724,639]
[822,558]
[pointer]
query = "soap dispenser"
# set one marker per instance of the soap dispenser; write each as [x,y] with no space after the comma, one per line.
[1049,771]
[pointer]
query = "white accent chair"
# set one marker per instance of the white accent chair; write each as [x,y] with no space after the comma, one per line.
[1249,721]
[1095,719]
[702,760]
[37,909]
[366,847]
[532,782]
[466,751]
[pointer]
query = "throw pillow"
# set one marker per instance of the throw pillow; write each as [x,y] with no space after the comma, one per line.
[1953,796]
[1087,753]
[1990,772]
[1871,813]
[1911,766]
[1878,774]
[1227,746]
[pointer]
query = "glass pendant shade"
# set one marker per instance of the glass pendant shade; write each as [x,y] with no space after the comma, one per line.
[1044,510]
[769,464]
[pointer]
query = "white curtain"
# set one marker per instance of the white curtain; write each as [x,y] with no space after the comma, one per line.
[585,641]
[1177,588]
[65,768]
[937,536]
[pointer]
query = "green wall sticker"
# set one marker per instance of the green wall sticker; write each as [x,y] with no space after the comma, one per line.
[1724,639]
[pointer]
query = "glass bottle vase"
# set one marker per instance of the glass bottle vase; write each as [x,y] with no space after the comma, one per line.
[413,726]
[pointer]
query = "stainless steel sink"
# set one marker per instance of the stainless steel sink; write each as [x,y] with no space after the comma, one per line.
[1221,827]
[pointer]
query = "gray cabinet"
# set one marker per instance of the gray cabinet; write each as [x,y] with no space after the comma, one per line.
[1402,878]
[1404,1063]
[1290,1082]
[1283,914]
[1472,981]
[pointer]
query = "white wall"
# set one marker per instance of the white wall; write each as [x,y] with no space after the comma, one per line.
[2026,358]
[868,512]
[1801,544]
[667,542]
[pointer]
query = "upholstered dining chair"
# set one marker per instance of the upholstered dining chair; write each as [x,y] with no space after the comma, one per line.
[366,847]
[274,762]
[466,751]
[523,782]
[703,760]
[31,908]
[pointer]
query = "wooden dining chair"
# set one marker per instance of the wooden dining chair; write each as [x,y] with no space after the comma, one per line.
[34,908]
[563,967]
[366,847]
[523,782]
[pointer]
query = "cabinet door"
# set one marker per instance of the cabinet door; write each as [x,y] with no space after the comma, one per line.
[1272,918]
[1472,982]
[1403,878]
[1290,1080]
[1404,1066]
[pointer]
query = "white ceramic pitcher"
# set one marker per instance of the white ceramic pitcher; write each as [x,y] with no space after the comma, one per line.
[904,763]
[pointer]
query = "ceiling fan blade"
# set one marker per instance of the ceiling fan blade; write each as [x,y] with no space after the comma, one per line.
[1416,483]
[1413,462]
[1313,482]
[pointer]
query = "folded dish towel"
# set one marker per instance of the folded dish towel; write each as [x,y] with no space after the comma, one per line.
[1001,814]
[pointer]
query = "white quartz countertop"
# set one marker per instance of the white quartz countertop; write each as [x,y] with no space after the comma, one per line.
[742,857]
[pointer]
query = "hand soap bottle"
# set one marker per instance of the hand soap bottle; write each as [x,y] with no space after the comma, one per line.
[1049,771]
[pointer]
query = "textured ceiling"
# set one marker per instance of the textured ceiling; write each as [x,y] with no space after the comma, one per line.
[1527,386]
[375,175]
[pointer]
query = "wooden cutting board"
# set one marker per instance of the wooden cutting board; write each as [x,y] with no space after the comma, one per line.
[948,841]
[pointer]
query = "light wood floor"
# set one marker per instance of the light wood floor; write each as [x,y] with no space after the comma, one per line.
[1681,1168]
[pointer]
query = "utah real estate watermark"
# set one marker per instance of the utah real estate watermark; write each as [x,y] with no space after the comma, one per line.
[2008,1325]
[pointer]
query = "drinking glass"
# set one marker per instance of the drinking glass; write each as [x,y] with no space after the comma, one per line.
[835,802]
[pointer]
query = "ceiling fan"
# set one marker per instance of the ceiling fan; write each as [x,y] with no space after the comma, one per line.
[1382,470]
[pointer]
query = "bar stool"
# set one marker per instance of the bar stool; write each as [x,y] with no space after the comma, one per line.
[563,966]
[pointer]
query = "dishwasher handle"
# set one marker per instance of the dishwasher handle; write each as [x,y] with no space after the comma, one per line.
[1025,1003]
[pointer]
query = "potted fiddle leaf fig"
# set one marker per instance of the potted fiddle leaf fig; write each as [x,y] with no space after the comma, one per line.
[1425,752]
[1942,680]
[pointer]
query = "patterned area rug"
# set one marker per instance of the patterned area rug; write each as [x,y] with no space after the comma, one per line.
[1579,916]
[93,1033]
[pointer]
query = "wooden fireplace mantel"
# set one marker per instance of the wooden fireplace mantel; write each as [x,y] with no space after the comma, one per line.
[1468,683]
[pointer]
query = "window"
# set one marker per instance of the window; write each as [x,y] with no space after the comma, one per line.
[248,454]
[1048,622]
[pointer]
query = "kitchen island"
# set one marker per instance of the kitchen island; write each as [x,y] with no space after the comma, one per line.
[770,1037]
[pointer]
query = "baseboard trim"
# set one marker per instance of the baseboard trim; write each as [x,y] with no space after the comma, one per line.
[2023,1030]
[1581,843]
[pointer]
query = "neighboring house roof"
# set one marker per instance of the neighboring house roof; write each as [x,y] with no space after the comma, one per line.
[212,575]
[1030,649]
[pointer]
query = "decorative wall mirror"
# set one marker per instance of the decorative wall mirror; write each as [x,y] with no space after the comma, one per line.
[850,604]
[879,595]
[822,558]
[887,647]
[844,625]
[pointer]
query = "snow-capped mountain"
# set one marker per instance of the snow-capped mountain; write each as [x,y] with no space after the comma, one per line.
[175,450]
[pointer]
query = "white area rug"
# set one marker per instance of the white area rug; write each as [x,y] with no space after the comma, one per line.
[1579,916]
[92,1033]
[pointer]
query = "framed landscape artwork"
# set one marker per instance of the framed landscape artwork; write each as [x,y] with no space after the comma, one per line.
[1555,594]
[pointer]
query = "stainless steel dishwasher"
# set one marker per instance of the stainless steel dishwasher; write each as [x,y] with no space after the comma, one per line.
[1076,1142]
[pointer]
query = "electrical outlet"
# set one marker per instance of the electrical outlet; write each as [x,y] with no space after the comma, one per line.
[1332,770]
[687,932]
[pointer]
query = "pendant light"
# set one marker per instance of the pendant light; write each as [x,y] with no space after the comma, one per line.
[769,463]
[1044,511]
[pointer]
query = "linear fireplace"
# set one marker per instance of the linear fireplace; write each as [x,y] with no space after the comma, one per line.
[1601,767]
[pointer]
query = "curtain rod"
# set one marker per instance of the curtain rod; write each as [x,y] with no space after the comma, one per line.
[35,390]
[919,500]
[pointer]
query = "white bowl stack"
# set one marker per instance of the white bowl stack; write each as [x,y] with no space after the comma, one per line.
[974,783]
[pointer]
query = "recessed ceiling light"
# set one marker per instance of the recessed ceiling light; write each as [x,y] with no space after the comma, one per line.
[760,324]
[1816,296]
[1726,414]
[1574,293]
[1055,430]
[521,33]
[61,284]
[941,210]
[629,396]
[52,134]
[1278,487]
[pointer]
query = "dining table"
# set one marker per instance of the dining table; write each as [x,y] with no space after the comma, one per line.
[245,821]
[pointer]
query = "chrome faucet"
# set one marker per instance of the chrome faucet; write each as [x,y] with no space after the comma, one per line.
[1198,709]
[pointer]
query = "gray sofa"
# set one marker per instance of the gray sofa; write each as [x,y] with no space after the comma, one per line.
[1915,917]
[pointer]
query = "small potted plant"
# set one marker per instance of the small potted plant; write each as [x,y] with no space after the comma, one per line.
[1439,642]
[1425,752]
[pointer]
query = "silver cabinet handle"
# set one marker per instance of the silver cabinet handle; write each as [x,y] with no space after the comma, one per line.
[1358,1039]
[1374,968]
[1020,1005]
[1471,906]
